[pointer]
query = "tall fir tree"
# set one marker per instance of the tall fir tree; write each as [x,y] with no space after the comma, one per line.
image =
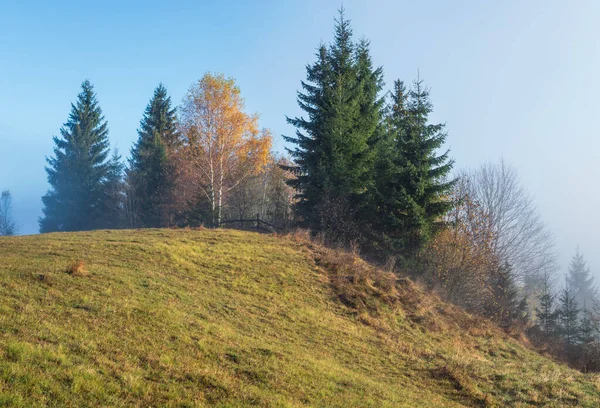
[310,151]
[422,172]
[151,173]
[411,191]
[581,281]
[334,144]
[385,210]
[78,169]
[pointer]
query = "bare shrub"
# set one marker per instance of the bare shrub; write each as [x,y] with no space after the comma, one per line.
[521,239]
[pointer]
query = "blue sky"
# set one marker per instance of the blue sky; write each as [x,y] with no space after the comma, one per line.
[512,79]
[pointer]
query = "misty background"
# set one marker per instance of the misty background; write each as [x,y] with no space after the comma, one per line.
[513,80]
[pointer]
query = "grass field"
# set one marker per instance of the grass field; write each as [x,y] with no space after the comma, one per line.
[228,318]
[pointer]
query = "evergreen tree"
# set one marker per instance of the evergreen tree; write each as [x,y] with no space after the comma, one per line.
[310,139]
[151,172]
[506,307]
[113,203]
[587,332]
[78,169]
[588,354]
[581,281]
[422,173]
[411,190]
[385,208]
[546,314]
[569,317]
[334,144]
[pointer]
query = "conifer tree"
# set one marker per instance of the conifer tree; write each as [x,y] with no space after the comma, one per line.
[589,352]
[581,281]
[78,169]
[113,203]
[569,317]
[310,150]
[411,191]
[422,172]
[386,190]
[506,307]
[546,313]
[334,144]
[587,332]
[151,173]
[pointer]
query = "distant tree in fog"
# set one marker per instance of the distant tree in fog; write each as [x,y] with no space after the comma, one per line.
[521,238]
[581,281]
[79,169]
[8,226]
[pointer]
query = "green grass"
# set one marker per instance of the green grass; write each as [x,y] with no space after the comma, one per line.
[229,318]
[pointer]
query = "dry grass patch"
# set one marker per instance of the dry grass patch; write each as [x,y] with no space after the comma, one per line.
[203,318]
[77,268]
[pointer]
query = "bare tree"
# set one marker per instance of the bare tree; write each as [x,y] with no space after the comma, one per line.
[266,194]
[8,226]
[521,238]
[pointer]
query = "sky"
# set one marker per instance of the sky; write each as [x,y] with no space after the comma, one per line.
[513,80]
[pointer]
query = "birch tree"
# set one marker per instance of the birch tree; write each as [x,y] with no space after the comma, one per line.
[222,144]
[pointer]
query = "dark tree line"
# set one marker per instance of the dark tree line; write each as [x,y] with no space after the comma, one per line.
[163,181]
[568,320]
[367,168]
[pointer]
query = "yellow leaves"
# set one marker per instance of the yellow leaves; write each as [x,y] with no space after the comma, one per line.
[223,145]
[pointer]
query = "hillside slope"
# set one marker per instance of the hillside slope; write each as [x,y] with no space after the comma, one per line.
[229,318]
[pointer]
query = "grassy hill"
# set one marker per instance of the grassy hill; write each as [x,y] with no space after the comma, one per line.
[229,318]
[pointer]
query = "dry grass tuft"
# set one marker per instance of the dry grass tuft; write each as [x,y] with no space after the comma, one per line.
[77,268]
[462,383]
[358,284]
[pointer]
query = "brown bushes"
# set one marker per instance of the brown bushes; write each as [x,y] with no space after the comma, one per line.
[371,292]
[77,268]
[357,284]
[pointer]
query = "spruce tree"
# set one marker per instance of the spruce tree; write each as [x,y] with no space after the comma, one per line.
[581,281]
[569,317]
[151,173]
[113,203]
[411,191]
[334,144]
[587,332]
[546,313]
[385,210]
[506,307]
[78,169]
[422,172]
[310,150]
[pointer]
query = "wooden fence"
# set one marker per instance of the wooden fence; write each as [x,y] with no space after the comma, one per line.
[255,223]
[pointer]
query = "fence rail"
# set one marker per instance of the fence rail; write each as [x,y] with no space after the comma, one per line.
[257,223]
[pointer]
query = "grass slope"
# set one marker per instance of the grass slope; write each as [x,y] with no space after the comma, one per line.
[229,318]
